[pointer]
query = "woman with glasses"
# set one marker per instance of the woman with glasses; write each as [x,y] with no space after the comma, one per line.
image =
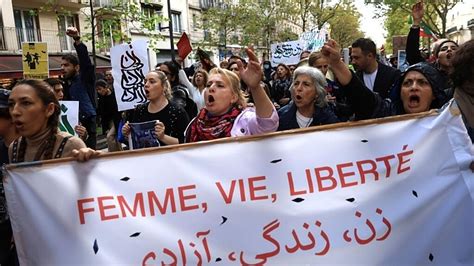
[226,113]
[171,119]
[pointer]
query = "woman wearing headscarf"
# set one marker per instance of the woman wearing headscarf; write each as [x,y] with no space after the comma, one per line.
[418,89]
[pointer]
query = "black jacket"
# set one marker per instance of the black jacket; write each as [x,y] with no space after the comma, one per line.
[386,77]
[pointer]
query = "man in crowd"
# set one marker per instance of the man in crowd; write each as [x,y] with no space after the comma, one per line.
[79,76]
[376,76]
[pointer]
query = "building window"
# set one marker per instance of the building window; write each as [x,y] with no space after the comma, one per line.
[65,22]
[109,32]
[26,26]
[195,22]
[152,12]
[176,19]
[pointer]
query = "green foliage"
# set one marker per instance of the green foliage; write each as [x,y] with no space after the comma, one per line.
[111,24]
[345,25]
[396,24]
[435,15]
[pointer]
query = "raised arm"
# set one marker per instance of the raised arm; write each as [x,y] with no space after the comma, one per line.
[252,75]
[86,68]
[413,39]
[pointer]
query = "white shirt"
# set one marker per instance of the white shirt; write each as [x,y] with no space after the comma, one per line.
[369,79]
[302,120]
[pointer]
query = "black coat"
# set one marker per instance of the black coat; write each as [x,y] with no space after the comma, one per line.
[386,77]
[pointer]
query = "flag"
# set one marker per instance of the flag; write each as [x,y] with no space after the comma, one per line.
[426,32]
[184,46]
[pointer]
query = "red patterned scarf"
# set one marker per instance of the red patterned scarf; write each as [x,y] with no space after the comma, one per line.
[208,127]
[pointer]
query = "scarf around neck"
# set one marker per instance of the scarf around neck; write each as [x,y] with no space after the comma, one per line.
[208,127]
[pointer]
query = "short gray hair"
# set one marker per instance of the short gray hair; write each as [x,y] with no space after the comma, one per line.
[319,81]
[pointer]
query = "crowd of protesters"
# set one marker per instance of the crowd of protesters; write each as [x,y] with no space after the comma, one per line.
[241,97]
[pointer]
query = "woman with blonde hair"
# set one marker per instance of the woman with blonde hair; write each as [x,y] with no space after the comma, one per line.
[171,119]
[226,113]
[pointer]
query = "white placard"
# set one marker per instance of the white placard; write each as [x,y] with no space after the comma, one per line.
[69,117]
[129,67]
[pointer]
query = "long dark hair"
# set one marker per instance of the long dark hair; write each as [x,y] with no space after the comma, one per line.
[45,93]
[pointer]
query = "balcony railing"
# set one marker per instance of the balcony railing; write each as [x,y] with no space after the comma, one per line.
[11,39]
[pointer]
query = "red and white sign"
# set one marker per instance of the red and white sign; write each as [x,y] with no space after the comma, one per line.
[385,193]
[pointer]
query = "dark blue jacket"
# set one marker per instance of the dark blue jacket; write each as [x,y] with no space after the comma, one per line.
[82,86]
[321,116]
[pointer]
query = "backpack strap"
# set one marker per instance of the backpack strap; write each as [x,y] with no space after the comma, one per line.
[60,150]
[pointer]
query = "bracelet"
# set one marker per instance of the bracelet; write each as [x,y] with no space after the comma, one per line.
[77,38]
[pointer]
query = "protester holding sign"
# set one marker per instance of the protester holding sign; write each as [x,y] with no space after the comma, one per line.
[35,112]
[171,118]
[418,89]
[58,91]
[309,105]
[225,113]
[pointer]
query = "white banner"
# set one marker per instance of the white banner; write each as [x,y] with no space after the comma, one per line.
[392,193]
[287,53]
[69,117]
[129,67]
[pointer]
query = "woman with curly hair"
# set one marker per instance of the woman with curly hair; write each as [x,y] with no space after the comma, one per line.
[35,113]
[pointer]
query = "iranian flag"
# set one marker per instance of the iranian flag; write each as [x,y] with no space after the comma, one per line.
[426,32]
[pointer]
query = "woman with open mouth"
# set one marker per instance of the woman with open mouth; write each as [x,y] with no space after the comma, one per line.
[309,105]
[418,89]
[226,113]
[35,113]
[170,118]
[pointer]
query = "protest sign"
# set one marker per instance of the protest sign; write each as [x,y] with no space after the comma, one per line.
[142,135]
[69,117]
[396,191]
[129,67]
[287,53]
[35,60]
